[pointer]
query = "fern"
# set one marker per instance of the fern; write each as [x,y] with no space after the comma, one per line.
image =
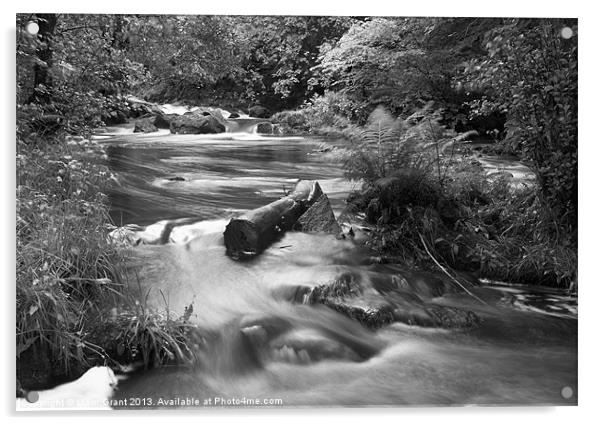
[388,145]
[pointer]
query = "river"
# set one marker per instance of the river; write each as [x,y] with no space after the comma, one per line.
[271,351]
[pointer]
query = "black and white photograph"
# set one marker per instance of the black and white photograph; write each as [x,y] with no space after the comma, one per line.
[275,211]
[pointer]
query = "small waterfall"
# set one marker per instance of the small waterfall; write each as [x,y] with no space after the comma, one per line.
[247,125]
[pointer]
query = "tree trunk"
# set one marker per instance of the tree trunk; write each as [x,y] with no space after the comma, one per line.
[251,233]
[41,77]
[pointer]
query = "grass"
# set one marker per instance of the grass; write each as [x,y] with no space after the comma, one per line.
[73,300]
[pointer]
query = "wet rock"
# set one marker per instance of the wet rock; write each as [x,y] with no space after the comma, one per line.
[154,234]
[234,115]
[304,340]
[176,179]
[196,123]
[318,218]
[296,294]
[145,125]
[139,108]
[258,111]
[264,128]
[378,299]
[164,120]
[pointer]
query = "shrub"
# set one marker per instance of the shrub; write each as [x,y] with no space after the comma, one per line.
[530,75]
[425,203]
[64,259]
[324,115]
[387,145]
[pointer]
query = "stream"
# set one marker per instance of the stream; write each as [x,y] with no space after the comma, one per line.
[273,350]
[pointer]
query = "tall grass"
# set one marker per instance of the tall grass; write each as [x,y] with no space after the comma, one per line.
[73,298]
[64,260]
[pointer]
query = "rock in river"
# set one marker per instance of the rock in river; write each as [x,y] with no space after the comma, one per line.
[258,111]
[145,125]
[196,124]
[377,299]
[318,218]
[264,128]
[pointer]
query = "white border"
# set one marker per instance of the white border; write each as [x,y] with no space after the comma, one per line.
[590,156]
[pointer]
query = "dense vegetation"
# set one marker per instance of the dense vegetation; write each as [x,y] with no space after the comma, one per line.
[403,90]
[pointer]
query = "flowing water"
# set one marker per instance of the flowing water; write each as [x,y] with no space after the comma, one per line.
[269,350]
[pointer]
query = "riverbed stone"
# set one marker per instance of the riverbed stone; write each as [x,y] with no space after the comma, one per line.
[196,124]
[264,128]
[378,299]
[164,120]
[145,125]
[319,218]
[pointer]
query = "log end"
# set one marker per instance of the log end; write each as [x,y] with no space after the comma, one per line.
[242,239]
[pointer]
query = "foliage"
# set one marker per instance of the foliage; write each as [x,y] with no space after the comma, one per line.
[431,201]
[327,114]
[64,260]
[279,53]
[73,301]
[134,333]
[387,145]
[185,55]
[401,63]
[530,74]
[84,77]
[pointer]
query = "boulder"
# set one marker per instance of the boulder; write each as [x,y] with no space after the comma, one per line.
[234,115]
[115,117]
[145,125]
[264,128]
[164,120]
[258,111]
[319,218]
[196,124]
[138,107]
[377,299]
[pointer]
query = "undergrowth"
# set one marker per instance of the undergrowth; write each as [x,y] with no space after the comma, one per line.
[71,289]
[425,199]
[329,115]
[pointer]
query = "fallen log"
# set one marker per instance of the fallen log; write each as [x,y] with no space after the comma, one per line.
[251,233]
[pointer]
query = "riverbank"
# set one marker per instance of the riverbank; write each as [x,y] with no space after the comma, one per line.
[433,200]
[74,307]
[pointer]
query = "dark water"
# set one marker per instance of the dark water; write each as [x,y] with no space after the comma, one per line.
[211,176]
[524,352]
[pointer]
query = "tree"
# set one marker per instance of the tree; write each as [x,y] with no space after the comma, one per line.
[402,63]
[530,74]
[72,74]
[279,54]
[186,55]
[42,80]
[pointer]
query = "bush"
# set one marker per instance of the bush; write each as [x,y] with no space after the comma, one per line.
[64,259]
[530,75]
[75,307]
[328,115]
[387,145]
[425,203]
